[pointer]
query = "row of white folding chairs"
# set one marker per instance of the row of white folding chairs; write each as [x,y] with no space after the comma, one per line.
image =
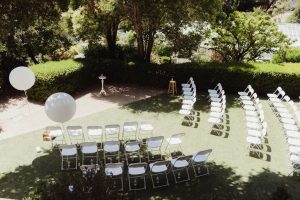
[289,117]
[158,171]
[112,149]
[188,100]
[255,121]
[131,130]
[217,99]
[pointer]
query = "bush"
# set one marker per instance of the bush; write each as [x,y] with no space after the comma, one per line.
[277,58]
[56,76]
[292,55]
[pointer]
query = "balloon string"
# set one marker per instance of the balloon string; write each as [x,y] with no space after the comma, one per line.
[27,102]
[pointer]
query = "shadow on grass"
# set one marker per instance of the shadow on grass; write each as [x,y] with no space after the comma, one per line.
[44,180]
[167,104]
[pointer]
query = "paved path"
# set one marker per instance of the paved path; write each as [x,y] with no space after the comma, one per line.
[17,117]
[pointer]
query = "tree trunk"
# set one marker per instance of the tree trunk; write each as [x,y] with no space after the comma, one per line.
[149,45]
[31,54]
[111,36]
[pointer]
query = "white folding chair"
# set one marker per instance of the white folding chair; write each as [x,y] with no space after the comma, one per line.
[132,149]
[159,171]
[130,131]
[247,97]
[246,92]
[255,144]
[258,132]
[89,150]
[111,149]
[175,141]
[275,94]
[137,176]
[68,153]
[75,134]
[153,145]
[146,130]
[112,132]
[216,89]
[95,134]
[56,135]
[199,160]
[180,165]
[114,171]
[188,84]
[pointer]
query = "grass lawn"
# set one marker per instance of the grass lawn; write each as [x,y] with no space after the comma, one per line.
[234,174]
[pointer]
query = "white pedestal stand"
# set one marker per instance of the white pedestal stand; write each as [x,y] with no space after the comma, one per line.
[102,82]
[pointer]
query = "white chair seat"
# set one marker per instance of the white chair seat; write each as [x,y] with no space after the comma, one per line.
[187,89]
[184,112]
[188,93]
[295,159]
[158,168]
[216,104]
[294,150]
[188,97]
[113,171]
[215,114]
[245,98]
[214,120]
[136,170]
[294,141]
[252,119]
[214,95]
[179,163]
[186,107]
[254,140]
[243,93]
[215,109]
[285,115]
[287,121]
[278,105]
[131,147]
[248,102]
[273,100]
[290,127]
[185,85]
[154,143]
[293,134]
[89,147]
[215,99]
[55,133]
[112,130]
[270,95]
[68,150]
[248,107]
[252,125]
[212,91]
[254,133]
[111,148]
[189,102]
[199,158]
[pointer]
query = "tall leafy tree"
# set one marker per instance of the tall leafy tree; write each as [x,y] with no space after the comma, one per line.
[246,36]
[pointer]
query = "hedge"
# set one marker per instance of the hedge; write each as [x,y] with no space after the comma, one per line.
[70,76]
[55,76]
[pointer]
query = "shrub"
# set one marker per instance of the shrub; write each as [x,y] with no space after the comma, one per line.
[56,76]
[292,55]
[277,58]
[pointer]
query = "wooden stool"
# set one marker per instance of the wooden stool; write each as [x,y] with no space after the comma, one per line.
[172,87]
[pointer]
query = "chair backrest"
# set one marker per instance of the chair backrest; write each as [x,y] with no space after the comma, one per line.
[281,93]
[94,130]
[251,92]
[112,132]
[254,96]
[75,131]
[130,126]
[132,143]
[155,142]
[68,150]
[54,131]
[146,126]
[177,136]
[89,147]
[203,153]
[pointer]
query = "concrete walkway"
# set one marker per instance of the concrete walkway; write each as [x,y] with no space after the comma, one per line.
[17,117]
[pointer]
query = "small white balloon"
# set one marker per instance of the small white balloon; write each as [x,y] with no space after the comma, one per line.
[60,107]
[22,78]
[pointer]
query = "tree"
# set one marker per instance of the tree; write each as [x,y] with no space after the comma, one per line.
[29,28]
[99,18]
[148,17]
[241,36]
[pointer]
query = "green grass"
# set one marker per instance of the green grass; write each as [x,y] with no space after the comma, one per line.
[233,173]
[56,67]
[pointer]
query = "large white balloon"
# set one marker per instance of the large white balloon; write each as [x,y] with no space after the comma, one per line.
[22,78]
[60,107]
